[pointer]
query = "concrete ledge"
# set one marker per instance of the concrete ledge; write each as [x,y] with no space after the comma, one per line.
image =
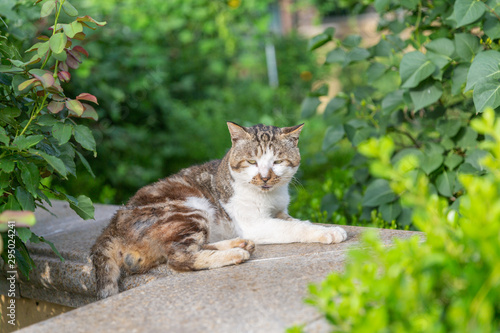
[264,294]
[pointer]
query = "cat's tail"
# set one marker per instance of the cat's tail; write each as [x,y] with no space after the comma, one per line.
[106,265]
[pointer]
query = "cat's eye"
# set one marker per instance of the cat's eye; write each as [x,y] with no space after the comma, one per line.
[252,161]
[278,161]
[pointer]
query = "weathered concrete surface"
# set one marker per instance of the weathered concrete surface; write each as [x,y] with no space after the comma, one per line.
[264,294]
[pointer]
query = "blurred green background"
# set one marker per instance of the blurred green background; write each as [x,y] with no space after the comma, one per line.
[169,76]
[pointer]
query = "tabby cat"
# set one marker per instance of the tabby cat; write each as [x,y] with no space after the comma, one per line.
[210,215]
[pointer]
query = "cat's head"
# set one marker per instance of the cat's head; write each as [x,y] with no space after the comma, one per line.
[264,157]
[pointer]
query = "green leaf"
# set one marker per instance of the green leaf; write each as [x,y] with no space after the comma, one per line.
[459,78]
[431,162]
[381,5]
[377,193]
[414,68]
[46,78]
[352,41]
[467,138]
[448,127]
[84,208]
[442,46]
[60,56]
[466,46]
[485,65]
[72,29]
[83,135]
[85,163]
[393,101]
[7,164]
[31,177]
[55,107]
[46,120]
[487,93]
[491,27]
[24,142]
[24,234]
[309,106]
[3,137]
[57,42]
[87,18]
[475,157]
[333,135]
[468,11]
[336,56]
[375,71]
[26,84]
[68,158]
[321,39]
[356,54]
[47,8]
[69,9]
[12,204]
[426,95]
[62,132]
[9,114]
[52,247]
[75,106]
[445,183]
[89,112]
[43,48]
[335,104]
[390,211]
[25,199]
[53,161]
[23,260]
[453,160]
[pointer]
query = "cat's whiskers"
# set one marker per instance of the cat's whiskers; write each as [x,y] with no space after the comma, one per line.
[295,182]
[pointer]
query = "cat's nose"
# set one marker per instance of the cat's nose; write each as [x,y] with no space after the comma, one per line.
[265,179]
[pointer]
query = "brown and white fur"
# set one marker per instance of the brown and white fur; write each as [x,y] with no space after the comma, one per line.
[210,215]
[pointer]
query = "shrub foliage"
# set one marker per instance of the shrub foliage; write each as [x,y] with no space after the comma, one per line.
[448,283]
[40,133]
[434,69]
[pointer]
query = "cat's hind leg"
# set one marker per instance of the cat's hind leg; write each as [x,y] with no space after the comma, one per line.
[232,243]
[185,257]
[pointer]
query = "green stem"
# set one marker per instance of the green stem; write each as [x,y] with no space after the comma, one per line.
[35,114]
[58,12]
[491,10]
[42,105]
[46,59]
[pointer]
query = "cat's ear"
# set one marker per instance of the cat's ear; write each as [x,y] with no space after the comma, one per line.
[237,132]
[292,133]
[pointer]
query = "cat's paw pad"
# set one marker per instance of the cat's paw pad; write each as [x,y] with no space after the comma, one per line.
[332,235]
[245,244]
[132,261]
[238,255]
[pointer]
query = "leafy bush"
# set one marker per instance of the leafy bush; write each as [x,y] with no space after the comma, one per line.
[450,282]
[422,90]
[39,134]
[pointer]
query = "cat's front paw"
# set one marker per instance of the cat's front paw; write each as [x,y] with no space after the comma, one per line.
[332,235]
[245,244]
[238,255]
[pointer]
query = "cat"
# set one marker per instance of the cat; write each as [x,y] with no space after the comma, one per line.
[210,215]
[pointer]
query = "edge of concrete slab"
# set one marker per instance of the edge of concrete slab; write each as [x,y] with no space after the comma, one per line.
[264,293]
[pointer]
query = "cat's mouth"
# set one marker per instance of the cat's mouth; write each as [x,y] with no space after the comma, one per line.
[266,187]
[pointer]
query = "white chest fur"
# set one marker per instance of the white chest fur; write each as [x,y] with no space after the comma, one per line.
[248,206]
